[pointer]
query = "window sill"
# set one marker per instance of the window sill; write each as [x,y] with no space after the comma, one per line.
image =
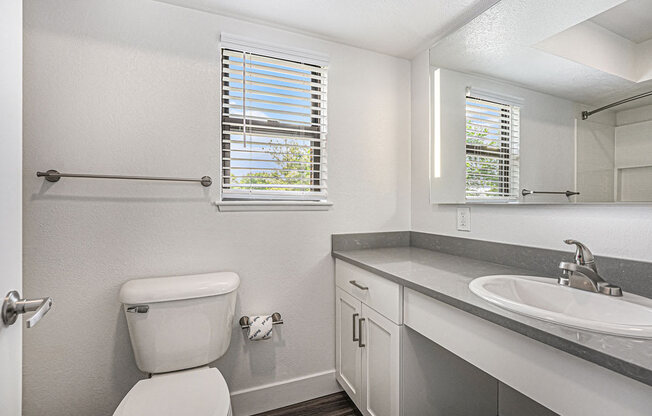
[240,206]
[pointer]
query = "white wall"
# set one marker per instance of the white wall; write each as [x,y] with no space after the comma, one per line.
[595,158]
[124,86]
[634,153]
[621,231]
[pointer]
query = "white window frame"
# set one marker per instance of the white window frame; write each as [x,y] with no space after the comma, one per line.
[279,201]
[511,107]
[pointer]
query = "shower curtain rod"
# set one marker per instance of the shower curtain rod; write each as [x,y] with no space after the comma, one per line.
[587,114]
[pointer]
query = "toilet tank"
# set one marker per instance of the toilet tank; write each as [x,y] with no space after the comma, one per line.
[179,322]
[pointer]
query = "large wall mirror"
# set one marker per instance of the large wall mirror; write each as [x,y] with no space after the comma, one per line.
[545,102]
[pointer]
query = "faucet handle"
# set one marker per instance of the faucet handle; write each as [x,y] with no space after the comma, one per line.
[583,255]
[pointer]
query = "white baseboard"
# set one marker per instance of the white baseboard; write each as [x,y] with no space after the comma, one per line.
[271,396]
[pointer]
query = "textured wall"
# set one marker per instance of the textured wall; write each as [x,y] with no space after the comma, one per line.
[125,86]
[616,231]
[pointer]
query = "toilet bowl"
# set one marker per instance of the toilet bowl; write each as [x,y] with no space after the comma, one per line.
[200,391]
[178,325]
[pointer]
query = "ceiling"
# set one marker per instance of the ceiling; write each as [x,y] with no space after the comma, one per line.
[400,28]
[503,43]
[631,20]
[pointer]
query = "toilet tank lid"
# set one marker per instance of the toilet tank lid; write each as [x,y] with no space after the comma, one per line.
[164,289]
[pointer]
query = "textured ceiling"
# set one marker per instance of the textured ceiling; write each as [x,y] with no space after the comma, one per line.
[631,20]
[501,43]
[396,27]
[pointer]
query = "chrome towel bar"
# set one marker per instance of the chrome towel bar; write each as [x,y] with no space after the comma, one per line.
[527,192]
[54,176]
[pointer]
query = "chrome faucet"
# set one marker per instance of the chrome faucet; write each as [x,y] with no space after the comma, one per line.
[583,273]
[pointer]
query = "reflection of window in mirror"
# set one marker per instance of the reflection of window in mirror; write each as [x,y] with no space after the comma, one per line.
[492,149]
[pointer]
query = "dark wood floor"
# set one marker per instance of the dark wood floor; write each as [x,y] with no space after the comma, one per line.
[337,404]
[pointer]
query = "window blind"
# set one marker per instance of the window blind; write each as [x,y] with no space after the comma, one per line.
[492,149]
[273,128]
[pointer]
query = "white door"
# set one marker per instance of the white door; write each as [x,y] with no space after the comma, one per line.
[380,364]
[348,353]
[11,43]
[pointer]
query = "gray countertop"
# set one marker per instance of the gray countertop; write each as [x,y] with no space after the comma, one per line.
[445,277]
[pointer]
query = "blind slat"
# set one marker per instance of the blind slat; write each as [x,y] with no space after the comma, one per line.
[275,86]
[251,92]
[241,159]
[267,144]
[256,74]
[273,136]
[270,169]
[275,111]
[272,185]
[233,127]
[229,53]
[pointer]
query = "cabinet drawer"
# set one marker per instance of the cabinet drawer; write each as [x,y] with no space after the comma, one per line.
[381,294]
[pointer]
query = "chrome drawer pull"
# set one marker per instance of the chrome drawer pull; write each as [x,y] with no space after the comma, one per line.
[355,315]
[360,344]
[358,285]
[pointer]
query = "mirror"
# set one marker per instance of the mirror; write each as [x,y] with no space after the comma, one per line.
[545,102]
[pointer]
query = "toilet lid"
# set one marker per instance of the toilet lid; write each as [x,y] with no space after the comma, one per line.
[200,392]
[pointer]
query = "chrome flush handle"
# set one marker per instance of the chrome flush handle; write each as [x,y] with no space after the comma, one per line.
[138,309]
[13,306]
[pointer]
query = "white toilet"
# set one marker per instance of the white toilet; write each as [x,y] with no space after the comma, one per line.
[177,326]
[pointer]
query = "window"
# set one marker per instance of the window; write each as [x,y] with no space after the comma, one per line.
[273,127]
[492,149]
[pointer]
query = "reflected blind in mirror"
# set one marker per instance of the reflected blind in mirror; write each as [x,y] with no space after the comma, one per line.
[492,150]
[273,128]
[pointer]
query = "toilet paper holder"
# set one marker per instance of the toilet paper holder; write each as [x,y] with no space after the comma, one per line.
[276,320]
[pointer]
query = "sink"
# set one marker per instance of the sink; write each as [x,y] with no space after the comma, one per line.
[542,298]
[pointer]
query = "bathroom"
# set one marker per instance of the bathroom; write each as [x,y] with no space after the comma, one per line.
[148,89]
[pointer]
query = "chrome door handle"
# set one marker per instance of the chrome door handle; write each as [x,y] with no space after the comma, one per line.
[360,344]
[355,315]
[358,285]
[13,306]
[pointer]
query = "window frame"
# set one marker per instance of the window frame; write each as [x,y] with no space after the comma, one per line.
[509,150]
[277,200]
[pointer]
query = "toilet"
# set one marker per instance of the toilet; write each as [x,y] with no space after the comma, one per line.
[178,325]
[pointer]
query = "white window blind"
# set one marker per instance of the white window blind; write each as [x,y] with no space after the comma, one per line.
[492,150]
[273,128]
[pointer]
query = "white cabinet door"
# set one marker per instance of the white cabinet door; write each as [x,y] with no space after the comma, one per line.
[380,364]
[348,355]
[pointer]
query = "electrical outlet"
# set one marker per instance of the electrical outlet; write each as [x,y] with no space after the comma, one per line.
[464,219]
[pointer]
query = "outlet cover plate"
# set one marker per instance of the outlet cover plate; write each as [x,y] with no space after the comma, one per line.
[464,219]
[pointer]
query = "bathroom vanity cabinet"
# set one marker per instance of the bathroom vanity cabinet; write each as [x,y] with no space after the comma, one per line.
[369,315]
[428,344]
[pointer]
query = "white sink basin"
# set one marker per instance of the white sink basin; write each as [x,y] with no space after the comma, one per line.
[542,298]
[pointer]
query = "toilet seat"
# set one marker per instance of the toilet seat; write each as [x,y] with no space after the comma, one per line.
[198,392]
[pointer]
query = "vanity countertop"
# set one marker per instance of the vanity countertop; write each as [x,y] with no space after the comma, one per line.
[446,277]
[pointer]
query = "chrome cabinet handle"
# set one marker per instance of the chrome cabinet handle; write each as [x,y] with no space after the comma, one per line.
[13,306]
[360,344]
[358,285]
[355,315]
